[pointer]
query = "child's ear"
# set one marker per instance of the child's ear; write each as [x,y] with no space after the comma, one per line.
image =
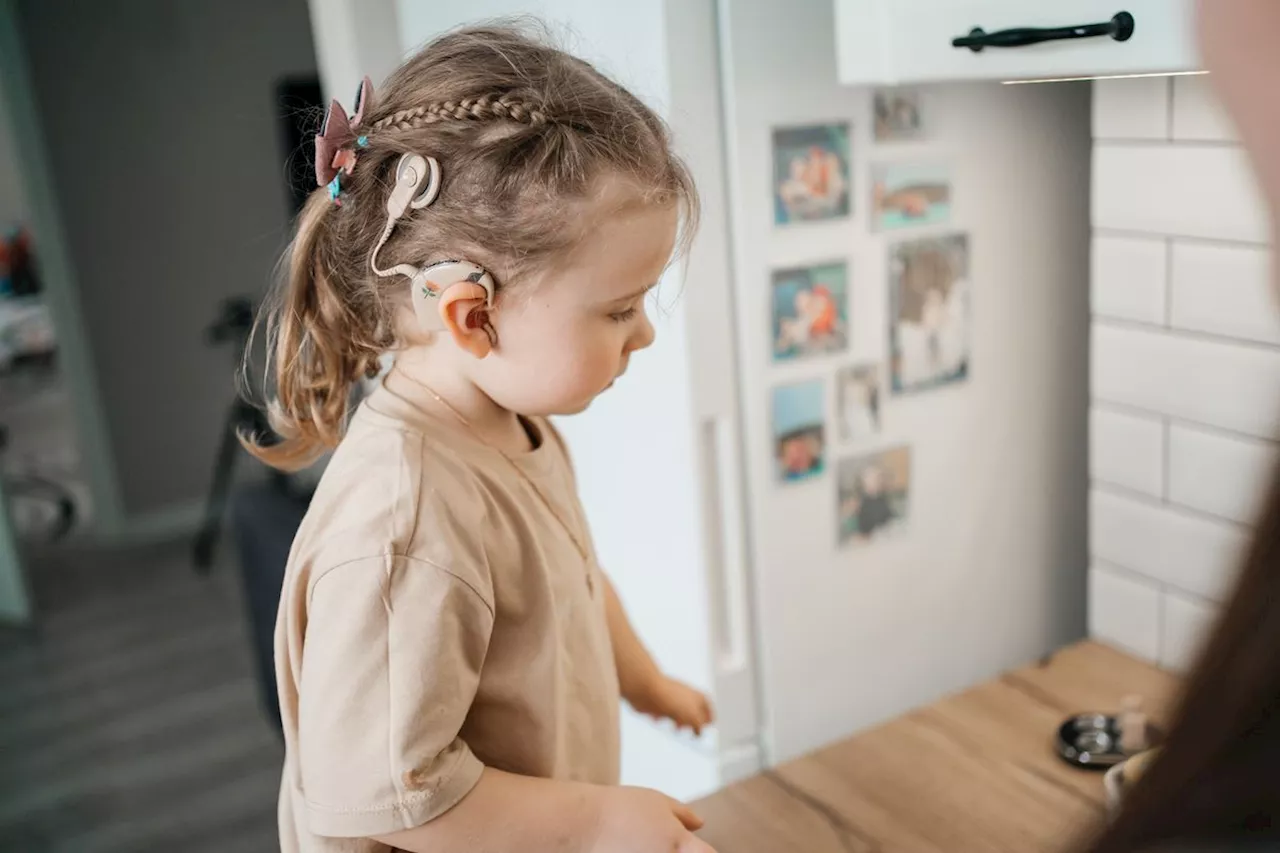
[465,314]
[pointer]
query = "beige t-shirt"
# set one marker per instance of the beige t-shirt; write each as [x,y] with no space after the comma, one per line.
[436,618]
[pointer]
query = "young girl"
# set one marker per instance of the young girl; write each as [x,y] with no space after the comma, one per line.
[449,655]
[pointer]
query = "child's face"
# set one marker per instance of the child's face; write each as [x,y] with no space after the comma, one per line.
[801,302]
[566,339]
[797,455]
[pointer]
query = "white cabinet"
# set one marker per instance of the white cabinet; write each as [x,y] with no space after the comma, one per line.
[911,41]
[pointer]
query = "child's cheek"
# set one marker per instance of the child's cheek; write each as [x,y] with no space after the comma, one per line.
[583,370]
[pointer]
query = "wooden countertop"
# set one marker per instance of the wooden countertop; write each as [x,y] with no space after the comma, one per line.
[973,772]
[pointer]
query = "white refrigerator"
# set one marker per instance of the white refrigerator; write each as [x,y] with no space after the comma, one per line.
[740,582]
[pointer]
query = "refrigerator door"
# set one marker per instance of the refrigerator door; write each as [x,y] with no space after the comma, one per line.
[940,537]
[697,115]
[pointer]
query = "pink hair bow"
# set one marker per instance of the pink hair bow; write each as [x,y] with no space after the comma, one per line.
[337,136]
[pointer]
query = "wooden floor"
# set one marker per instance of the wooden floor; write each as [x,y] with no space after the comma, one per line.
[973,772]
[130,721]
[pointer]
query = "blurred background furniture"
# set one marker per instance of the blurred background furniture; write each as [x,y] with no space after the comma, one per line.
[264,519]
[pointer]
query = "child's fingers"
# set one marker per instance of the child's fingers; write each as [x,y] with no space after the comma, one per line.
[686,816]
[690,718]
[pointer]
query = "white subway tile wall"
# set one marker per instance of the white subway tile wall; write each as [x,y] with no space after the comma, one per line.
[1220,474]
[1127,450]
[1167,544]
[1131,108]
[1130,278]
[1179,190]
[1206,381]
[1223,290]
[1124,611]
[1185,363]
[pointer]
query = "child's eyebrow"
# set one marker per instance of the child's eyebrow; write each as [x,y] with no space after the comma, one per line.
[636,295]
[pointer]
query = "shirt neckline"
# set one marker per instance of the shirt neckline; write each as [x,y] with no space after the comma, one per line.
[402,410]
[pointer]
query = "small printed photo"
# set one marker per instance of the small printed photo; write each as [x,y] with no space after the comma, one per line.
[929,321]
[858,401]
[811,173]
[873,494]
[810,311]
[897,115]
[907,194]
[798,430]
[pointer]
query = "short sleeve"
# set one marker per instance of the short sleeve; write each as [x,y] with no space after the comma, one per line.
[390,667]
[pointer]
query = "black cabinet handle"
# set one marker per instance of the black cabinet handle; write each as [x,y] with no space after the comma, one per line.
[1119,28]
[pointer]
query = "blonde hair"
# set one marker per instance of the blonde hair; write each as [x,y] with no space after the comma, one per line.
[522,131]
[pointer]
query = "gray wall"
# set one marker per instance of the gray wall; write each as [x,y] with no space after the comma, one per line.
[165,150]
[13,205]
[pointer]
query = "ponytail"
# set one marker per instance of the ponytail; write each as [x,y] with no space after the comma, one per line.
[319,344]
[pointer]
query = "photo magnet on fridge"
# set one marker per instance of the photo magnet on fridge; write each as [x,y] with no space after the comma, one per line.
[898,116]
[930,312]
[904,195]
[873,493]
[811,174]
[858,402]
[799,431]
[810,311]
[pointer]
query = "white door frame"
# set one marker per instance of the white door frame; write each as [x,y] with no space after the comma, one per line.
[15,601]
[354,39]
[58,277]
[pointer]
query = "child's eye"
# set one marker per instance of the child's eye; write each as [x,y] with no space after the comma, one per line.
[623,316]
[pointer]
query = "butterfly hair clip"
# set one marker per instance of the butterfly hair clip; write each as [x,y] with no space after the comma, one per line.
[337,141]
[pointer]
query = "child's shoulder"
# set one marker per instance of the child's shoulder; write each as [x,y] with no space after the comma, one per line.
[394,491]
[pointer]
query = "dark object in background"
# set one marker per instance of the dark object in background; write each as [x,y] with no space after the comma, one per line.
[41,508]
[234,324]
[264,515]
[1094,741]
[264,520]
[300,109]
[17,265]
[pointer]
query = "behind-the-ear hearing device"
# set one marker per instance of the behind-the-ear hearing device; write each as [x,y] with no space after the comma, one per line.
[426,283]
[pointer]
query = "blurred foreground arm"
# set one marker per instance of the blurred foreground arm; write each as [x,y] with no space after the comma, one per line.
[1240,42]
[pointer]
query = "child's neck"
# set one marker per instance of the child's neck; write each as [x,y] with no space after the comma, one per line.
[460,398]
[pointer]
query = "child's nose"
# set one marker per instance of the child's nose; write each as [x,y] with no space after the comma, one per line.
[644,334]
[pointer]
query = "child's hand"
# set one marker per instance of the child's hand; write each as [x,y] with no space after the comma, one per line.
[638,820]
[668,699]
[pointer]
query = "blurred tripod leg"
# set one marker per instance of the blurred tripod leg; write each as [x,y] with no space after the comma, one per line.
[206,541]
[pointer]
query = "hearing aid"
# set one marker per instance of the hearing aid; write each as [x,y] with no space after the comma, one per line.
[431,281]
[417,186]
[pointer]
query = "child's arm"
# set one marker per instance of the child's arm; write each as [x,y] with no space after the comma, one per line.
[643,685]
[506,813]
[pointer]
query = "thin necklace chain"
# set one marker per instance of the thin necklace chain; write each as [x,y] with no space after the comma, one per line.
[546,502]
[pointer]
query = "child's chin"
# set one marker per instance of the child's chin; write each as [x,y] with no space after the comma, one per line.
[575,408]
